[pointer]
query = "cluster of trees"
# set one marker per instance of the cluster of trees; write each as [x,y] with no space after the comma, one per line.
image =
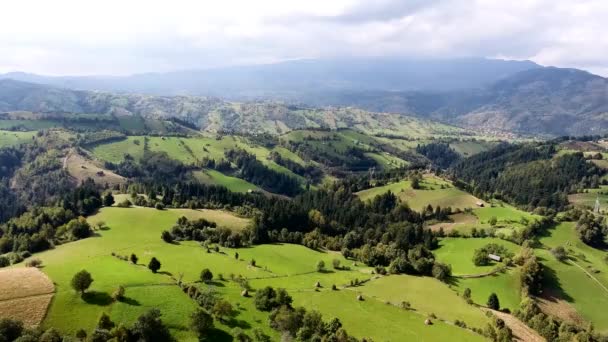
[550,327]
[481,255]
[592,229]
[349,159]
[40,228]
[13,330]
[206,231]
[440,154]
[298,323]
[254,171]
[526,175]
[310,172]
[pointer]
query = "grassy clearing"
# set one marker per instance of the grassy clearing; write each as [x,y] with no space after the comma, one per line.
[81,168]
[9,138]
[434,191]
[115,151]
[459,252]
[377,320]
[469,148]
[417,291]
[217,178]
[581,286]
[587,198]
[25,294]
[505,285]
[503,213]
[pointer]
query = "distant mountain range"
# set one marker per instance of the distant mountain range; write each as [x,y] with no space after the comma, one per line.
[517,96]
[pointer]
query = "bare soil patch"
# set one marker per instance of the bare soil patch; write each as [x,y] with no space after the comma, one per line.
[459,220]
[82,168]
[521,331]
[25,294]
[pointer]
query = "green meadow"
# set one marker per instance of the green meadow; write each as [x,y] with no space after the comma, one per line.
[582,280]
[434,191]
[137,230]
[10,138]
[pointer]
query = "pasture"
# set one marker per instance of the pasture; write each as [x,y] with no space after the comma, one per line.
[137,230]
[214,177]
[434,191]
[582,280]
[10,138]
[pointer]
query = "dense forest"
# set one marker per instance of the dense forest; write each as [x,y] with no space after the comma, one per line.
[528,175]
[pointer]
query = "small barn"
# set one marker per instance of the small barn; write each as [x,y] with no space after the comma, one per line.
[494,257]
[480,204]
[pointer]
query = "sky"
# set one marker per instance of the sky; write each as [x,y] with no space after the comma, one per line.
[111,37]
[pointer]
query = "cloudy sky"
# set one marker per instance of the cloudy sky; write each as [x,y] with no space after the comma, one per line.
[130,36]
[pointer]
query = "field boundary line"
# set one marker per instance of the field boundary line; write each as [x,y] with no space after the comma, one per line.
[591,276]
[30,296]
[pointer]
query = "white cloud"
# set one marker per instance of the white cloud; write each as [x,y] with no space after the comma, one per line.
[121,37]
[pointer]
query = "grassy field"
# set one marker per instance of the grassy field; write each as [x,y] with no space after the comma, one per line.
[191,150]
[459,252]
[434,191]
[137,230]
[505,285]
[580,281]
[379,321]
[217,178]
[588,197]
[417,291]
[9,138]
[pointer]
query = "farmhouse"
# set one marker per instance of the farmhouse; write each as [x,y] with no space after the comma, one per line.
[494,257]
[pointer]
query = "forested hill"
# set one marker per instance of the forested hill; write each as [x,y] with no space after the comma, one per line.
[208,113]
[530,175]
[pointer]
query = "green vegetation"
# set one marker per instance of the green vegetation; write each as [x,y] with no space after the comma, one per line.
[459,253]
[9,138]
[209,176]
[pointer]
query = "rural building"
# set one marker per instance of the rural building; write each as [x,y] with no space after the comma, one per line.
[494,257]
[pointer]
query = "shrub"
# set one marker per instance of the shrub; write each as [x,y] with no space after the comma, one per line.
[166,236]
[4,261]
[33,263]
[493,302]
[336,264]
[119,293]
[201,322]
[320,266]
[559,253]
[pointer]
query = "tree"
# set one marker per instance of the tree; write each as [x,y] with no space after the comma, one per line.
[10,329]
[119,293]
[79,228]
[206,276]
[201,322]
[221,309]
[493,221]
[493,302]
[81,335]
[154,265]
[240,336]
[134,258]
[81,281]
[4,261]
[559,253]
[267,298]
[441,271]
[320,266]
[467,295]
[105,323]
[149,327]
[51,335]
[108,200]
[167,236]
[336,264]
